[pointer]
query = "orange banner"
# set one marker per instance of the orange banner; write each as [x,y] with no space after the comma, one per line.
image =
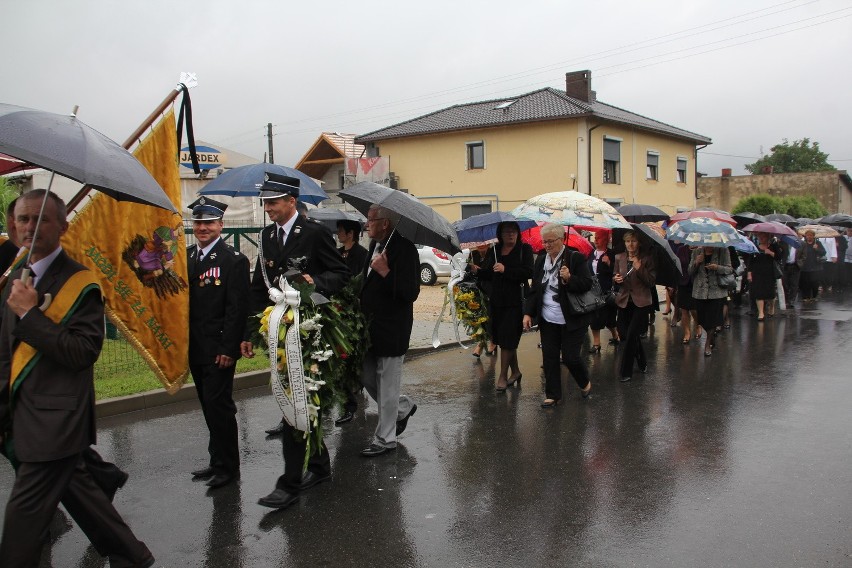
[138,253]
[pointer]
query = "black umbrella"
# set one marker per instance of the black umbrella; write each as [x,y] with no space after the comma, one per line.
[806,221]
[788,220]
[68,147]
[638,213]
[836,219]
[745,219]
[668,264]
[330,217]
[418,222]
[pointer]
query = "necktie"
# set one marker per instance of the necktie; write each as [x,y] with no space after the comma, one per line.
[281,236]
[200,256]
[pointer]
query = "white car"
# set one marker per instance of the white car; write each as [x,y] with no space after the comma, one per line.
[433,263]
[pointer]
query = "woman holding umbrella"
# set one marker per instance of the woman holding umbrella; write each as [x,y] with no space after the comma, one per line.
[812,252]
[601,263]
[556,273]
[704,267]
[635,274]
[761,275]
[508,273]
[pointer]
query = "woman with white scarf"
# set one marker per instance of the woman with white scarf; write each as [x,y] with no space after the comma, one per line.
[560,271]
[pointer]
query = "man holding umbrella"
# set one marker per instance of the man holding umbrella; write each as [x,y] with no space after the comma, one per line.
[293,243]
[47,359]
[391,286]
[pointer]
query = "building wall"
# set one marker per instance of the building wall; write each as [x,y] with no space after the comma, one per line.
[633,186]
[529,159]
[725,192]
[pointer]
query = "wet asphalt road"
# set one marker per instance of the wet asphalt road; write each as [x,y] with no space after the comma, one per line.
[742,459]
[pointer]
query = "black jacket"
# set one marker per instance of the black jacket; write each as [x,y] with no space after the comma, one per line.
[218,303]
[388,302]
[580,281]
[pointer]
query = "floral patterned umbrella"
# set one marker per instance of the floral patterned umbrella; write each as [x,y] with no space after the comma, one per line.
[703,232]
[716,214]
[572,208]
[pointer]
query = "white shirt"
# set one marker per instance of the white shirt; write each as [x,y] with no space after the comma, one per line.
[202,254]
[830,248]
[551,310]
[40,267]
[288,226]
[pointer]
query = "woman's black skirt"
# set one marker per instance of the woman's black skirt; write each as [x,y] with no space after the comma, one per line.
[507,325]
[710,312]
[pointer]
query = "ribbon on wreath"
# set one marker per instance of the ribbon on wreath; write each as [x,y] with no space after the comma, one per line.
[294,405]
[457,272]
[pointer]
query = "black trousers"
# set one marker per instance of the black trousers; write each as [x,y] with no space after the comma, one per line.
[790,279]
[215,388]
[555,339]
[293,446]
[107,475]
[809,284]
[632,322]
[39,488]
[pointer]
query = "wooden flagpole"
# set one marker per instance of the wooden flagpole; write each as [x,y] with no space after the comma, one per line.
[137,134]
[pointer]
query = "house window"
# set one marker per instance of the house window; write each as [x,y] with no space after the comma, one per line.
[681,170]
[470,209]
[653,167]
[612,159]
[476,155]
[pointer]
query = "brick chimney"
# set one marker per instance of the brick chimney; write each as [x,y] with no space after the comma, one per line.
[578,85]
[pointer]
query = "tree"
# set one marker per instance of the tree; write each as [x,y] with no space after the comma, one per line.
[797,205]
[800,156]
[8,192]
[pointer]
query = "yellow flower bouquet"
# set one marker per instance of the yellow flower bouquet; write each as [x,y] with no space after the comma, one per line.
[472,311]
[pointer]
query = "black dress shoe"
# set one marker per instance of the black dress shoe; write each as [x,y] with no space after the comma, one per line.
[220,480]
[309,479]
[203,473]
[402,424]
[279,429]
[278,499]
[624,379]
[375,450]
[119,483]
[347,417]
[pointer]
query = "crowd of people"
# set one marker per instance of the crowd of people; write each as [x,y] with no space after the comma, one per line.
[712,278]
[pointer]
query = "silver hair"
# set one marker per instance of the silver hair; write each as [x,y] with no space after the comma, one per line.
[385,213]
[552,230]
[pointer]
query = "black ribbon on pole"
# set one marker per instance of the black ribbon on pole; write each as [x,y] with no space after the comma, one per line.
[186,106]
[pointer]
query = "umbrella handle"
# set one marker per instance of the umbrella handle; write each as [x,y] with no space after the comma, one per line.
[27,279]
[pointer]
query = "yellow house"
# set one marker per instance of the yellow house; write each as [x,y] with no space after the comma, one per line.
[493,155]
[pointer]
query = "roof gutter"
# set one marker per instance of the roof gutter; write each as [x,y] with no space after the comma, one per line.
[589,154]
[695,160]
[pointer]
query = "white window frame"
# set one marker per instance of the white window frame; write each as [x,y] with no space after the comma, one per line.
[468,147]
[652,175]
[684,170]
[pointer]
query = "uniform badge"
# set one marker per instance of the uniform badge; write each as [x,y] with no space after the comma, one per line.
[218,282]
[270,263]
[212,255]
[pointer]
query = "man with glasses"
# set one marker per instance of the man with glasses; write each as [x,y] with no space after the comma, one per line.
[391,285]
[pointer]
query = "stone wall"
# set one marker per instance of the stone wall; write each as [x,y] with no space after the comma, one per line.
[828,187]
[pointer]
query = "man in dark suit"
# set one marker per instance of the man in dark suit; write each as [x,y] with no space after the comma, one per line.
[293,242]
[48,357]
[391,286]
[218,312]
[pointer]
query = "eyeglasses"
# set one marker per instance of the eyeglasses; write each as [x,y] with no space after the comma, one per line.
[375,219]
[551,241]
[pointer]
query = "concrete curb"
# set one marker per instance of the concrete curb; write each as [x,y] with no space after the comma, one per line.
[243,381]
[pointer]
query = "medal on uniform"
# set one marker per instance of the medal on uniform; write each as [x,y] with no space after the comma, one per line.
[218,282]
[216,273]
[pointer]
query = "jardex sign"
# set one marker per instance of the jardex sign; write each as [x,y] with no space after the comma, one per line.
[208,158]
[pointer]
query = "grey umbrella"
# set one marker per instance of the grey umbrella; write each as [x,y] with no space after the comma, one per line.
[418,222]
[66,146]
[638,213]
[330,217]
[788,220]
[837,219]
[746,219]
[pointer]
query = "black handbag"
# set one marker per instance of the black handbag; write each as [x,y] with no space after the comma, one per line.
[727,281]
[586,302]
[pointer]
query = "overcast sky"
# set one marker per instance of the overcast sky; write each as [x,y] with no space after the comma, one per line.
[745,73]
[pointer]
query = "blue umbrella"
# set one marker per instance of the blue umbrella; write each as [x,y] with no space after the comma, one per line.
[481,228]
[245,181]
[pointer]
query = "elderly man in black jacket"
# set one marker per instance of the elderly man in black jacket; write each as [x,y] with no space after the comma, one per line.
[391,285]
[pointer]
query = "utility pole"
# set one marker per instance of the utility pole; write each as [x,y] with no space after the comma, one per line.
[269,136]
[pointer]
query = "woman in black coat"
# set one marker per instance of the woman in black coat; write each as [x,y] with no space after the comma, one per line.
[508,276]
[761,275]
[600,264]
[559,271]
